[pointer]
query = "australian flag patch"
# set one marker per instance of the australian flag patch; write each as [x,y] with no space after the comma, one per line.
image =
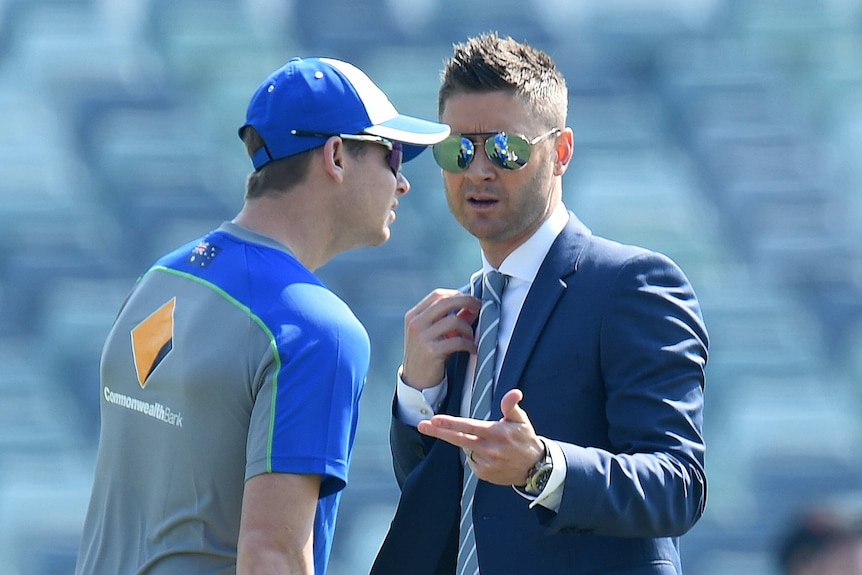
[203,254]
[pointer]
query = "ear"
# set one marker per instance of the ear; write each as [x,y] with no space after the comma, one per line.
[565,148]
[333,158]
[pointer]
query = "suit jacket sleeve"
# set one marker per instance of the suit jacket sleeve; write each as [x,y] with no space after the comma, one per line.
[646,477]
[423,536]
[409,447]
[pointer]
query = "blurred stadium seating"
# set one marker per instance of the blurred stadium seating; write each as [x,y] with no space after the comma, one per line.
[724,133]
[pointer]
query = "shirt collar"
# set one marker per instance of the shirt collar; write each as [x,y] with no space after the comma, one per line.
[524,262]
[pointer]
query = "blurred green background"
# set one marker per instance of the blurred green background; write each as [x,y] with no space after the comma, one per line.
[724,133]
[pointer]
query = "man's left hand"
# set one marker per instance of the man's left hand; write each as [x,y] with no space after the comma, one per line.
[500,452]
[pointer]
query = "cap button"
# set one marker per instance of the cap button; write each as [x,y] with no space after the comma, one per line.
[318,74]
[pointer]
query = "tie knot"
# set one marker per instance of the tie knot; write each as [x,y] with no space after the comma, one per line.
[494,283]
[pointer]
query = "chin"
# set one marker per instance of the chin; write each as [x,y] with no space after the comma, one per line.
[383,238]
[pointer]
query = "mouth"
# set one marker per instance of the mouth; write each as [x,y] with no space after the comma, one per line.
[482,201]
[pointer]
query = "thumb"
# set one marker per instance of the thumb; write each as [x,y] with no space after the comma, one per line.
[510,407]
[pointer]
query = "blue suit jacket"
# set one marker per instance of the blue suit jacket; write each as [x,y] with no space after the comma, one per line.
[609,350]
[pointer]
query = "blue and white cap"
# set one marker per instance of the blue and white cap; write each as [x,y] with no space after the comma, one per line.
[328,96]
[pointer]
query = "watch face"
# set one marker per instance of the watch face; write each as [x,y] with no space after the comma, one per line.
[542,478]
[539,478]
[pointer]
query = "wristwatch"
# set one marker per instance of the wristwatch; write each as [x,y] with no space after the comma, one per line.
[538,475]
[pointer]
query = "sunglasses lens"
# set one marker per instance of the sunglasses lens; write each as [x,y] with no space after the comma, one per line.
[508,151]
[454,153]
[396,157]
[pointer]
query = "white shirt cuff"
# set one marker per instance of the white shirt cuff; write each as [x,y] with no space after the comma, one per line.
[414,405]
[552,494]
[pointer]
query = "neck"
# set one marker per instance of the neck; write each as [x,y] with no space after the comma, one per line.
[497,251]
[296,226]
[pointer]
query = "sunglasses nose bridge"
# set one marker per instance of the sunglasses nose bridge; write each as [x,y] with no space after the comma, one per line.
[481,164]
[482,161]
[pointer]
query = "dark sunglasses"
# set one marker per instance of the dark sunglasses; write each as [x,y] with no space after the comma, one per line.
[396,149]
[506,151]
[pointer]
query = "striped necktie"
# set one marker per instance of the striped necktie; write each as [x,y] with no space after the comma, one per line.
[480,408]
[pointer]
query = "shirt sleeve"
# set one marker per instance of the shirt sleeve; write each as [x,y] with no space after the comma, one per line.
[551,496]
[414,405]
[306,409]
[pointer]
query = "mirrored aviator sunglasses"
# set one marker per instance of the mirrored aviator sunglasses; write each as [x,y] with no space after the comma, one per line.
[506,151]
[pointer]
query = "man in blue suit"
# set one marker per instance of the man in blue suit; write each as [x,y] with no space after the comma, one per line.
[592,459]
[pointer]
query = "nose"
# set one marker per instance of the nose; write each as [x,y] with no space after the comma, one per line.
[402,184]
[481,168]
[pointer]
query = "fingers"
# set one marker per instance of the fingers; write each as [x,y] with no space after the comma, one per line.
[457,431]
[452,426]
[441,302]
[511,408]
[470,434]
[470,314]
[460,431]
[463,320]
[440,313]
[434,329]
[501,450]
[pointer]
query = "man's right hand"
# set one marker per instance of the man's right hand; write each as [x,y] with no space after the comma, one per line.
[434,329]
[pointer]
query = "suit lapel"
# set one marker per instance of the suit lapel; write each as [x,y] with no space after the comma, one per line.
[550,283]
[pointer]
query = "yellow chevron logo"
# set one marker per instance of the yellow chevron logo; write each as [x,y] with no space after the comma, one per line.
[152,340]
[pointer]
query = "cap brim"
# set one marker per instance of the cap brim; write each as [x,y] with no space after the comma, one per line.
[415,132]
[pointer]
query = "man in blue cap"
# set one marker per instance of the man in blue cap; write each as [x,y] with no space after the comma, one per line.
[231,378]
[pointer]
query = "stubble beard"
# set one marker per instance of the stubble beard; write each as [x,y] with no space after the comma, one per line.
[520,220]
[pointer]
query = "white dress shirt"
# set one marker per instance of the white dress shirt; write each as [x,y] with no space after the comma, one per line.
[521,266]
